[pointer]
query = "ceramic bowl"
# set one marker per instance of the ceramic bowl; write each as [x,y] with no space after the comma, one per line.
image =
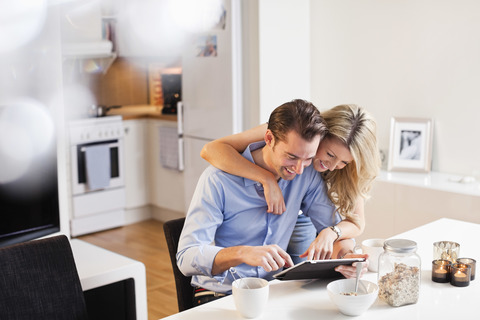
[352,305]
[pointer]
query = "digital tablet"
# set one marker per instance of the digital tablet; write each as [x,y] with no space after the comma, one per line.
[315,269]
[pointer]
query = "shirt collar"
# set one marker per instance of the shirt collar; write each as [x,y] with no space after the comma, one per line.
[247,154]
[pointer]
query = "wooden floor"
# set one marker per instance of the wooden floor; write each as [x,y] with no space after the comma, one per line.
[145,242]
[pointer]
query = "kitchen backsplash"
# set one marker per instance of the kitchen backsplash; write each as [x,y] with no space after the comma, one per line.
[125,83]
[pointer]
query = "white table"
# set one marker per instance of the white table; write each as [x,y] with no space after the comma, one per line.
[98,267]
[309,299]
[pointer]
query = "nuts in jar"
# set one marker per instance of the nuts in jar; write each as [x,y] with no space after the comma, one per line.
[399,272]
[401,286]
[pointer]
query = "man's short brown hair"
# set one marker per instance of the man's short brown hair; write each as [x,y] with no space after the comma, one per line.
[298,115]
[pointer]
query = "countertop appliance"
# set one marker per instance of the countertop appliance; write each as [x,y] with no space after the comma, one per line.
[97,174]
[211,90]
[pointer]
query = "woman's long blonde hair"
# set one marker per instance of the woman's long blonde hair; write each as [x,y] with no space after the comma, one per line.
[356,128]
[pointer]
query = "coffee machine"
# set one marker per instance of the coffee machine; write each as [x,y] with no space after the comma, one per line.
[172,92]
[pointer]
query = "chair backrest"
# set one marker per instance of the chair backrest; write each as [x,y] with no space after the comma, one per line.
[39,280]
[172,230]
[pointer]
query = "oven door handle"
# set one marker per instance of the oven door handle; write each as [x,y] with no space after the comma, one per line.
[111,145]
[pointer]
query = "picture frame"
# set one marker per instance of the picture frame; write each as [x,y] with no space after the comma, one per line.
[410,144]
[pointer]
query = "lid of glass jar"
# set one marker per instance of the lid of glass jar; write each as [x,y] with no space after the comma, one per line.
[400,246]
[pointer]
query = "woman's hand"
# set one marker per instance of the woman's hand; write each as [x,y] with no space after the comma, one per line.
[322,247]
[274,197]
[351,271]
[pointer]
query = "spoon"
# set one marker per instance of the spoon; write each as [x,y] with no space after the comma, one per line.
[359,269]
[238,277]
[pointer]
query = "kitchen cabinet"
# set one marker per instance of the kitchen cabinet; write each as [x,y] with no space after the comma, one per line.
[87,38]
[402,201]
[136,180]
[166,185]
[151,190]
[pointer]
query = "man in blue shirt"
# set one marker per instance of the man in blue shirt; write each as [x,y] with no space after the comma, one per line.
[227,224]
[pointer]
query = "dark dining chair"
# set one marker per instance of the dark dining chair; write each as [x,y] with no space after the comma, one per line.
[39,280]
[172,230]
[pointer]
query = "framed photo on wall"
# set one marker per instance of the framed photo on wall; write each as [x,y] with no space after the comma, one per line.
[410,144]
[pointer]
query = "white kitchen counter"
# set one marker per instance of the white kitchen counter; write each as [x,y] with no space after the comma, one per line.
[309,299]
[434,180]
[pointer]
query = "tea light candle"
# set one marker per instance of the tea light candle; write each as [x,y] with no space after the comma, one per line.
[460,275]
[472,263]
[441,271]
[446,250]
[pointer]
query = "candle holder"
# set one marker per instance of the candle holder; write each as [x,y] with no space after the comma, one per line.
[441,271]
[446,250]
[472,263]
[460,274]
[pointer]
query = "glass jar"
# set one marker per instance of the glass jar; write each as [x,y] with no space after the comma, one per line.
[399,269]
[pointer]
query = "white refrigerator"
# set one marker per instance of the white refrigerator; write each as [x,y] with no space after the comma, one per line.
[211,89]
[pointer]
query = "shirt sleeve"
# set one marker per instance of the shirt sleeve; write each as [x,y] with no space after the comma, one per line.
[196,248]
[318,206]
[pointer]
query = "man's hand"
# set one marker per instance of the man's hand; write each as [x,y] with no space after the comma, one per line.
[351,271]
[269,257]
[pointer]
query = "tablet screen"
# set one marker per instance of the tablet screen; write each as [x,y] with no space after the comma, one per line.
[315,269]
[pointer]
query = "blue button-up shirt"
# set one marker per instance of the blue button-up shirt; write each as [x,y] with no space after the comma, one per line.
[228,210]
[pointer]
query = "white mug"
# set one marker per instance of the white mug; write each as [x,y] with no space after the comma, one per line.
[250,296]
[372,247]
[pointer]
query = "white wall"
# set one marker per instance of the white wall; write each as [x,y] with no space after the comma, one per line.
[412,58]
[284,53]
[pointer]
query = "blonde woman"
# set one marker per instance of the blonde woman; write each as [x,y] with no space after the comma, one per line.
[348,160]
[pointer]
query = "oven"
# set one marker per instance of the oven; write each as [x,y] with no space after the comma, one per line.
[97,174]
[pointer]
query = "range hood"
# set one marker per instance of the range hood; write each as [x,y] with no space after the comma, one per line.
[89,57]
